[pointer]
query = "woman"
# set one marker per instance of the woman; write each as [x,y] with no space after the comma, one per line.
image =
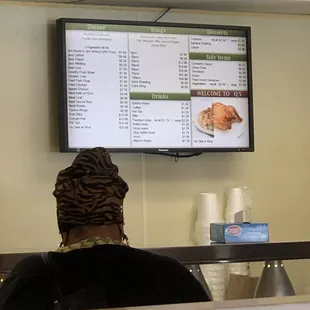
[92,267]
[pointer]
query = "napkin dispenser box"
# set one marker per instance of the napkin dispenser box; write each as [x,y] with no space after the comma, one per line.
[239,232]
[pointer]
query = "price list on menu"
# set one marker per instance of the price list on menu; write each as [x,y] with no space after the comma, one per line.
[135,86]
[124,117]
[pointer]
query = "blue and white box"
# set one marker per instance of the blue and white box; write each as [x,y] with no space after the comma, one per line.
[239,232]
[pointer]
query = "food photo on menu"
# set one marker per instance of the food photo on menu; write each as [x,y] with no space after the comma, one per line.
[220,120]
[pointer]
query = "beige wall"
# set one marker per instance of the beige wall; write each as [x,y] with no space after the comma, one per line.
[159,206]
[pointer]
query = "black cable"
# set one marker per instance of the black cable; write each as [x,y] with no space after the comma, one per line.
[188,155]
[75,2]
[176,156]
[161,15]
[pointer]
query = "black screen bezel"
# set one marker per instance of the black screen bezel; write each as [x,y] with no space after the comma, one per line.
[62,85]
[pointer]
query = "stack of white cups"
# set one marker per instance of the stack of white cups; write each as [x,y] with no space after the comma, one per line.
[209,212]
[235,204]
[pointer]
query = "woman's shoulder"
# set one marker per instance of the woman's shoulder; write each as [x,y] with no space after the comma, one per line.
[28,265]
[17,283]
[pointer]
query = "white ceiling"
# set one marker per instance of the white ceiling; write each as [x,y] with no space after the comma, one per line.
[257,6]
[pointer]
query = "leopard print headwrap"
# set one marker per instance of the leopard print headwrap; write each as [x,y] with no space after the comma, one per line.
[90,191]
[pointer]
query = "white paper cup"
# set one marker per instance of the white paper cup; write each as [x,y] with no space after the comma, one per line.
[202,234]
[235,202]
[217,268]
[241,267]
[203,240]
[218,287]
[217,281]
[238,265]
[238,268]
[231,215]
[230,218]
[208,209]
[218,296]
[210,274]
[238,271]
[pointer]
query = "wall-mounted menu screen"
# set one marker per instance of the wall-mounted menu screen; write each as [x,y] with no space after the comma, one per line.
[146,87]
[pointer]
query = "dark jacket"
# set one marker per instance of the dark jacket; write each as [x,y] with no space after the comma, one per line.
[104,276]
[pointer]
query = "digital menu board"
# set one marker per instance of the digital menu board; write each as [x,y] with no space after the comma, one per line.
[131,86]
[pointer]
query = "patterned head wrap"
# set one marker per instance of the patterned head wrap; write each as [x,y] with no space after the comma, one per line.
[90,191]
